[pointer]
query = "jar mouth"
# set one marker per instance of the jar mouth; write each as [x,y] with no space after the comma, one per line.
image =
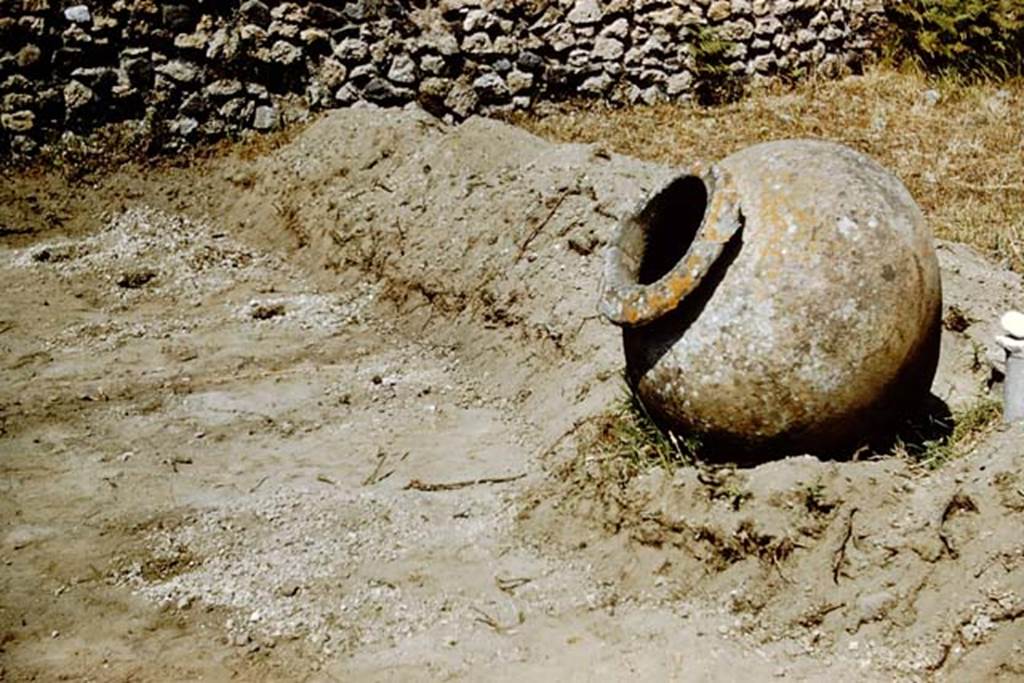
[662,250]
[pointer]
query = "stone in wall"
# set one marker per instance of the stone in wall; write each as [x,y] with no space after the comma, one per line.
[195,69]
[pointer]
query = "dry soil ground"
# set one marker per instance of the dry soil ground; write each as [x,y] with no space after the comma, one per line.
[327,413]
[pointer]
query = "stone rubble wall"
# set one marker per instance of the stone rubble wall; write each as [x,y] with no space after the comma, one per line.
[203,69]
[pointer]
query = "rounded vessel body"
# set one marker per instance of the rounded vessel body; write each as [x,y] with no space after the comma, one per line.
[784,299]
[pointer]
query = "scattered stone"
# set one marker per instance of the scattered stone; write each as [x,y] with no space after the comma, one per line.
[347,94]
[314,37]
[477,44]
[432,64]
[238,110]
[285,53]
[437,88]
[679,83]
[332,73]
[381,91]
[135,279]
[403,70]
[227,87]
[1012,323]
[176,17]
[179,71]
[352,50]
[224,45]
[585,12]
[462,100]
[266,118]
[76,96]
[255,12]
[608,49]
[28,56]
[257,90]
[78,14]
[195,104]
[491,88]
[139,70]
[363,72]
[98,78]
[260,311]
[288,590]
[183,127]
[519,81]
[617,29]
[720,10]
[191,41]
[252,34]
[530,61]
[597,85]
[18,122]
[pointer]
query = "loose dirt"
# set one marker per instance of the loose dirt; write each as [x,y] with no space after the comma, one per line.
[327,412]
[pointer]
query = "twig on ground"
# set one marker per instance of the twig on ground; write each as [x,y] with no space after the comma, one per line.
[258,484]
[509,585]
[177,460]
[958,503]
[840,556]
[540,226]
[376,477]
[493,623]
[417,485]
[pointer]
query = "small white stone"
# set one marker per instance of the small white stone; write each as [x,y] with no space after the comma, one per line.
[1013,324]
[78,14]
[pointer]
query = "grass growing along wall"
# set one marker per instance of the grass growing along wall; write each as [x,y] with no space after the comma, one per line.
[973,39]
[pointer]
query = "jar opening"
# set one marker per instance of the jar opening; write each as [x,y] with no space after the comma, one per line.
[669,223]
[661,251]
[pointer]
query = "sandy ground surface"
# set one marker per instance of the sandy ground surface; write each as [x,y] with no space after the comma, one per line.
[323,413]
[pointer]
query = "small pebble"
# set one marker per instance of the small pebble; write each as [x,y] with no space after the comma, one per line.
[1013,323]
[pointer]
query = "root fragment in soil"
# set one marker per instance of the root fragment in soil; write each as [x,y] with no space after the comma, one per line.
[839,559]
[417,485]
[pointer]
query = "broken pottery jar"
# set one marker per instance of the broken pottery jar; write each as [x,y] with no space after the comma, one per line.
[786,299]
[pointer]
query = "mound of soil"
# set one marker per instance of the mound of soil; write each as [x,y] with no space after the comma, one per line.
[334,406]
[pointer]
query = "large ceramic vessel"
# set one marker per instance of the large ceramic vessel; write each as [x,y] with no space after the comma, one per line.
[785,299]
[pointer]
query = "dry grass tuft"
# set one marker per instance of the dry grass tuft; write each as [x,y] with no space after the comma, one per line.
[969,426]
[629,434]
[962,157]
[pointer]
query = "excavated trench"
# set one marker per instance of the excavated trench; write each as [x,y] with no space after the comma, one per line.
[476,252]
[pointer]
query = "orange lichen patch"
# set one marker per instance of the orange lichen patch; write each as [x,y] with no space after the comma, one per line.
[679,285]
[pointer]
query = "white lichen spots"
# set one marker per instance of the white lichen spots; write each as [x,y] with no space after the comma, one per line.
[848,310]
[848,227]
